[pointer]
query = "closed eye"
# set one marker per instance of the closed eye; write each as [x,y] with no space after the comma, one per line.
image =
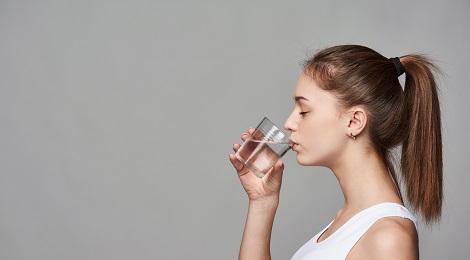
[303,113]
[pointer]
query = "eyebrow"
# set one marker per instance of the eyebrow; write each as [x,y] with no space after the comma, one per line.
[298,98]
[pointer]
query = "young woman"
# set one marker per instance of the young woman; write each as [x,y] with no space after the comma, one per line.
[350,111]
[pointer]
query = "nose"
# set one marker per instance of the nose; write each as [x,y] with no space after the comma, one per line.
[290,125]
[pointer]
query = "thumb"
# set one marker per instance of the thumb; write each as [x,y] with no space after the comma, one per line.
[277,170]
[273,179]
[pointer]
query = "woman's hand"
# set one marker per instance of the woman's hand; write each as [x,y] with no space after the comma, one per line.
[264,189]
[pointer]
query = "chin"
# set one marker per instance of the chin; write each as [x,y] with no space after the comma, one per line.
[305,161]
[308,161]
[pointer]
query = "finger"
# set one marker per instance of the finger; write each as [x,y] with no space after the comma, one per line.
[235,147]
[236,163]
[245,136]
[279,166]
[249,133]
[277,170]
[273,179]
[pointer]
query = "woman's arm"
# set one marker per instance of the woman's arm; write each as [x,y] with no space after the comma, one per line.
[263,195]
[257,234]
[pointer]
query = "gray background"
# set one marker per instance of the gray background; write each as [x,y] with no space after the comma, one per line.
[117,118]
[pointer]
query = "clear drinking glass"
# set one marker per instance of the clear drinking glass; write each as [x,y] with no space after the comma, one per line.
[263,148]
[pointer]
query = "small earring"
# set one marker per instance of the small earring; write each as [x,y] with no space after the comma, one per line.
[352,136]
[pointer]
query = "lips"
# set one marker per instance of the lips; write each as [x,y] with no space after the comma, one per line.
[294,147]
[294,144]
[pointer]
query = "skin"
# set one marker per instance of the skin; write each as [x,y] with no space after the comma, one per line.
[321,130]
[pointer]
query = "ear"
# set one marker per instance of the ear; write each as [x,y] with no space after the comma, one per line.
[357,117]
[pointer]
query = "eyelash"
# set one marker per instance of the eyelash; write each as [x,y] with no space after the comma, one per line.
[303,113]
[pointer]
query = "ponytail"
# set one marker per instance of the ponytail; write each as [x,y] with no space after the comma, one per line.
[421,161]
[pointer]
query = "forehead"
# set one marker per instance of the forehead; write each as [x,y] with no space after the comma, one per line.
[306,87]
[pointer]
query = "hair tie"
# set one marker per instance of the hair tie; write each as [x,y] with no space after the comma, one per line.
[398,66]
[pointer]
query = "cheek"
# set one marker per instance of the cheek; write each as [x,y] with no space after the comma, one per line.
[323,143]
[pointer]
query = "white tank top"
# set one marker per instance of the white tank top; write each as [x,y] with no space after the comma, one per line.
[338,244]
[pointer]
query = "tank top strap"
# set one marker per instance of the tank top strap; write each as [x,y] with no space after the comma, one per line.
[348,235]
[337,245]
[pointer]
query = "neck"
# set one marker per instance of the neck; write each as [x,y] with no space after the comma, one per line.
[365,180]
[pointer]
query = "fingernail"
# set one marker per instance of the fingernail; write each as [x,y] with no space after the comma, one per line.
[282,165]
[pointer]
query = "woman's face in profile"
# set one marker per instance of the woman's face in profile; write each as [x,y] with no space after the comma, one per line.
[317,129]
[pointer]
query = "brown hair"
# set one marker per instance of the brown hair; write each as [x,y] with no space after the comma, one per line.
[358,75]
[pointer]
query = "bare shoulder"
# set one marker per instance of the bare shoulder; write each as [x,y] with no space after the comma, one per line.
[388,238]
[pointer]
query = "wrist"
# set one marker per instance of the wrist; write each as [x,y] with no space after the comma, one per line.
[265,203]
